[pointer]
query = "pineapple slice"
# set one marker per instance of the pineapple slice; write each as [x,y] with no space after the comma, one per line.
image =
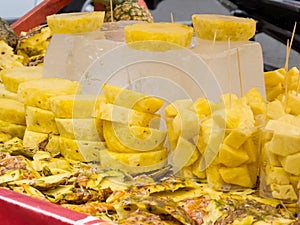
[128,116]
[224,27]
[37,92]
[293,102]
[79,22]
[275,110]
[256,101]
[76,106]
[12,77]
[88,129]
[134,163]
[7,94]
[160,36]
[131,99]
[12,129]
[12,111]
[79,150]
[123,138]
[36,140]
[40,120]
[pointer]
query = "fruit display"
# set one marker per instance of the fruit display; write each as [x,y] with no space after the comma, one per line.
[132,158]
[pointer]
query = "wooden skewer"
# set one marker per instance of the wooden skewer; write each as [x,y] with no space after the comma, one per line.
[111,11]
[172,17]
[239,71]
[229,72]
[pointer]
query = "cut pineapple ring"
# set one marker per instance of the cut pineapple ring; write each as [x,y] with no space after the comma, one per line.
[224,27]
[174,33]
[71,23]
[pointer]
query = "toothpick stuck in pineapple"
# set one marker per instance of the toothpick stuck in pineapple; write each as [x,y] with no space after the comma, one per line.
[111,11]
[239,71]
[229,72]
[172,17]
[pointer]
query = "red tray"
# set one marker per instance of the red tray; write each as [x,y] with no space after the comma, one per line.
[19,209]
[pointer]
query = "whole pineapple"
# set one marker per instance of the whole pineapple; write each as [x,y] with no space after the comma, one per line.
[7,34]
[127,10]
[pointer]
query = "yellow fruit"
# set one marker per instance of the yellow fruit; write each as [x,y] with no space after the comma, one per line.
[231,157]
[274,92]
[12,77]
[196,169]
[123,138]
[237,176]
[7,57]
[131,99]
[202,107]
[158,36]
[275,110]
[37,92]
[127,116]
[83,151]
[224,27]
[40,120]
[7,94]
[284,192]
[36,140]
[80,129]
[276,175]
[79,22]
[290,163]
[76,106]
[134,163]
[185,154]
[273,78]
[293,102]
[12,129]
[12,111]
[237,137]
[256,101]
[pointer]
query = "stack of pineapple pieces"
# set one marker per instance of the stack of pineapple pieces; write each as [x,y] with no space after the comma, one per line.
[281,144]
[135,144]
[220,141]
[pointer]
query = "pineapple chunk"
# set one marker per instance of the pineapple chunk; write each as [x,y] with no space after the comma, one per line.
[290,163]
[214,178]
[270,156]
[256,101]
[275,77]
[172,136]
[134,163]
[237,175]
[123,138]
[40,120]
[283,192]
[202,107]
[274,92]
[160,36]
[237,137]
[12,129]
[37,92]
[293,102]
[89,129]
[79,22]
[35,140]
[293,78]
[276,175]
[12,111]
[76,106]
[127,116]
[275,110]
[83,151]
[231,157]
[223,27]
[252,150]
[131,99]
[12,77]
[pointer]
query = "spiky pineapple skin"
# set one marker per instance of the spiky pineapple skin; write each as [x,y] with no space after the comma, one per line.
[7,34]
[128,10]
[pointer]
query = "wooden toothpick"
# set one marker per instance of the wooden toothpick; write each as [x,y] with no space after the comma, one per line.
[111,11]
[229,72]
[172,17]
[239,71]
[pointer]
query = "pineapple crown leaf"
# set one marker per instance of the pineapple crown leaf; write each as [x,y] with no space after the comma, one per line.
[115,2]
